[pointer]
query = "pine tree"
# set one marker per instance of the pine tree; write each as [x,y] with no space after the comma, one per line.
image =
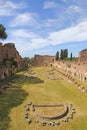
[3,34]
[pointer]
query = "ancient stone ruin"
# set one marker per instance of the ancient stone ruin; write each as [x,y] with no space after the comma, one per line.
[44,120]
[8,50]
[82,56]
[10,60]
[77,69]
[44,60]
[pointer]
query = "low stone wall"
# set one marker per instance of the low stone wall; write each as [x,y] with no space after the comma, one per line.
[48,105]
[64,117]
[63,114]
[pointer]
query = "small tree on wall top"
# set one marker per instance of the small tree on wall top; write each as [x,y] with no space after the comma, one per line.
[3,34]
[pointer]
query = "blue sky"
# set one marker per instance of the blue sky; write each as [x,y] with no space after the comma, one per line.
[45,26]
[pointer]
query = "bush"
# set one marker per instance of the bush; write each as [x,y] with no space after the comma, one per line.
[13,62]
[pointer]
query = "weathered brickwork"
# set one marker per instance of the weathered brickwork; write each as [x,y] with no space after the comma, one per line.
[78,68]
[44,60]
[82,56]
[8,52]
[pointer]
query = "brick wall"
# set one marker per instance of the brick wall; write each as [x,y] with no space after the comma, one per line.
[44,60]
[7,52]
[82,56]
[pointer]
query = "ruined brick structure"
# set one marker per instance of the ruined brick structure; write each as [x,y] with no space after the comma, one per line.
[8,53]
[44,60]
[82,56]
[78,68]
[8,50]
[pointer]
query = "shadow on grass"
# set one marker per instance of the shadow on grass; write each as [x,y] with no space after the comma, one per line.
[9,99]
[13,96]
[28,80]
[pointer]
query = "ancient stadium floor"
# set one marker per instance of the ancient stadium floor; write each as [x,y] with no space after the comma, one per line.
[42,85]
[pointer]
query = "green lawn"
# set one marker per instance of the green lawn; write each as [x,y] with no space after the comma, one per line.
[41,90]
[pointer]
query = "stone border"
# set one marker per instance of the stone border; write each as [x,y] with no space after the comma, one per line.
[63,114]
[67,115]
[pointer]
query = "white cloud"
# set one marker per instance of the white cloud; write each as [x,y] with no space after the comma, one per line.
[82,3]
[24,19]
[28,41]
[49,4]
[73,34]
[32,44]
[22,33]
[37,43]
[74,9]
[8,8]
[51,22]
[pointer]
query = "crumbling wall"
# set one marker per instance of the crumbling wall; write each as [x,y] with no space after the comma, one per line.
[44,60]
[83,56]
[10,60]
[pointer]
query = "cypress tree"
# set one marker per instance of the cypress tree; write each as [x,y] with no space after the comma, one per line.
[61,54]
[71,56]
[57,55]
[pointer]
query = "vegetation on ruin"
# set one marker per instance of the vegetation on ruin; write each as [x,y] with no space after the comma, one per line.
[12,61]
[40,89]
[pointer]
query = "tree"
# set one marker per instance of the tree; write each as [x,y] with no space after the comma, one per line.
[64,54]
[61,54]
[57,55]
[3,34]
[71,56]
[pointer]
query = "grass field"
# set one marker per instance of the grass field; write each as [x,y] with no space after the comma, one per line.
[40,89]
